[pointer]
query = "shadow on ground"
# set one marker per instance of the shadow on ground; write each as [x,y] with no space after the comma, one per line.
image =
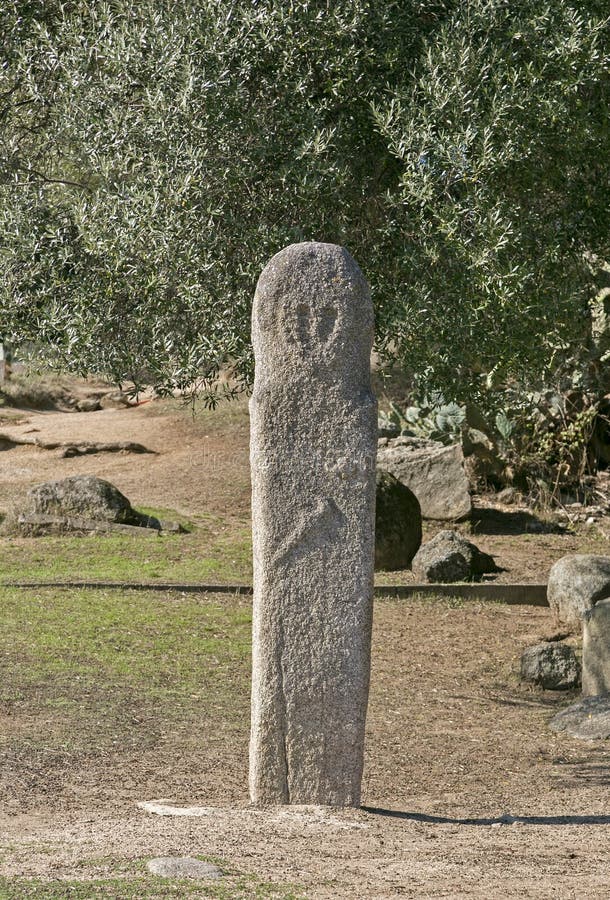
[500,820]
[486,520]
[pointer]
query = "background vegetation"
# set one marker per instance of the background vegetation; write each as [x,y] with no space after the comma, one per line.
[155,155]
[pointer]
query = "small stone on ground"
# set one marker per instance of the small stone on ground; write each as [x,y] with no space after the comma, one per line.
[448,557]
[552,665]
[588,720]
[182,867]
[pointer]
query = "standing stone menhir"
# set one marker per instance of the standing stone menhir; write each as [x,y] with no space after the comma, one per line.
[313,443]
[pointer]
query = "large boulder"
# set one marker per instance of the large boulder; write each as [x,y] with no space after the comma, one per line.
[588,720]
[552,665]
[398,528]
[576,583]
[84,497]
[596,650]
[435,473]
[448,558]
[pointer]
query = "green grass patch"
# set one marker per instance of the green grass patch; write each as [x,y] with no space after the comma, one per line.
[158,645]
[216,552]
[150,888]
[87,671]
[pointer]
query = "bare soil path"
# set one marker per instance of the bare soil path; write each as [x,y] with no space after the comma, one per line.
[199,464]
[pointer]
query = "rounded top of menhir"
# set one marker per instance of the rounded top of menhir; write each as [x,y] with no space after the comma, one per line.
[312,311]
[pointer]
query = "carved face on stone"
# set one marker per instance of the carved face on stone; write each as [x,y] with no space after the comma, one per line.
[312,312]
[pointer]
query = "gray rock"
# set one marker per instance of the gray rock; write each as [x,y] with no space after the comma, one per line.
[398,527]
[596,650]
[183,867]
[552,665]
[588,720]
[172,527]
[509,496]
[313,445]
[576,583]
[448,558]
[37,523]
[84,497]
[435,473]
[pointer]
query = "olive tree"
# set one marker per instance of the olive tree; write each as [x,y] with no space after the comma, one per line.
[155,155]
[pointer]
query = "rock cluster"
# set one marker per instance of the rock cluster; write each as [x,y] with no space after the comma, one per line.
[579,595]
[85,496]
[84,503]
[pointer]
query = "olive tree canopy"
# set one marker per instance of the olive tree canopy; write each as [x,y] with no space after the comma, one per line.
[154,155]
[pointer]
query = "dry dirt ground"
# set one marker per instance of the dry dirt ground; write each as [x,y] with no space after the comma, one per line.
[193,468]
[466,793]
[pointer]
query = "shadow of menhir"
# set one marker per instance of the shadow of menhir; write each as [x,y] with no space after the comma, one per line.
[505,819]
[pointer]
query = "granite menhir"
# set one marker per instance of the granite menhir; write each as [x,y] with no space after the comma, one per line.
[313,447]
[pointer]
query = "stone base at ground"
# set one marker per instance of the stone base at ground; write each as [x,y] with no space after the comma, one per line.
[34,525]
[576,583]
[435,473]
[552,665]
[596,650]
[589,719]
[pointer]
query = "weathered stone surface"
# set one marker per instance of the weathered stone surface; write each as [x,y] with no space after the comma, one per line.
[596,650]
[398,529]
[576,583]
[183,867]
[313,443]
[448,558]
[38,523]
[84,497]
[588,720]
[552,665]
[435,473]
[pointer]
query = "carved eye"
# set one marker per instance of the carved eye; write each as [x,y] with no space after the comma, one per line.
[326,323]
[303,316]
